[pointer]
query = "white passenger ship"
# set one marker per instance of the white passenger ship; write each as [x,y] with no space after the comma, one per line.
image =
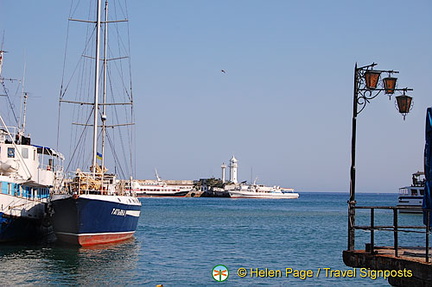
[155,189]
[411,197]
[262,191]
[158,187]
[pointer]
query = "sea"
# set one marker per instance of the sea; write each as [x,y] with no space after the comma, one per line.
[218,242]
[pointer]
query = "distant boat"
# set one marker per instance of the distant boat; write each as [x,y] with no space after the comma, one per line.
[158,188]
[411,197]
[262,191]
[95,207]
[27,174]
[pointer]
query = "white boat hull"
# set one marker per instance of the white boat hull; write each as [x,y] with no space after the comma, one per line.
[162,194]
[252,194]
[410,204]
[411,197]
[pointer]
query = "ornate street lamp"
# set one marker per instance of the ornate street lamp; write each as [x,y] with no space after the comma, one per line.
[367,87]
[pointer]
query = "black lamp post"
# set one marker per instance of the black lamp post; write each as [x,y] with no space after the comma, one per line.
[367,87]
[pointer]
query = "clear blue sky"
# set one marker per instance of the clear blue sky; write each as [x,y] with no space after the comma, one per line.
[284,105]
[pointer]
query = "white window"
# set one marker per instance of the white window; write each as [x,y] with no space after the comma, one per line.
[24,152]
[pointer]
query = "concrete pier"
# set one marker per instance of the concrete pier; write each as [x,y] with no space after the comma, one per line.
[411,260]
[409,266]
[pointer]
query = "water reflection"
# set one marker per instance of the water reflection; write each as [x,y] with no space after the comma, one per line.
[111,264]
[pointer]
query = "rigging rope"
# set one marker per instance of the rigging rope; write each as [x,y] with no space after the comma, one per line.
[11,105]
[81,76]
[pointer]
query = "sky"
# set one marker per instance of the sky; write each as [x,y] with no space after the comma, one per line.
[283,107]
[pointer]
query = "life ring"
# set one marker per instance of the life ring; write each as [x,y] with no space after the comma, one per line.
[75,196]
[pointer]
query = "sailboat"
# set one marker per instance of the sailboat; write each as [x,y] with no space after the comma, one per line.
[95,207]
[27,173]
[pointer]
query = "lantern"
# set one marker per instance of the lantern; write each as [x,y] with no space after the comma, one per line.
[389,85]
[404,103]
[371,78]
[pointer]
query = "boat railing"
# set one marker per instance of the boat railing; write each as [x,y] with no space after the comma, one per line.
[94,183]
[5,136]
[396,228]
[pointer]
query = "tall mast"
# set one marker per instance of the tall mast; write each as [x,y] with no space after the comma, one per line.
[1,56]
[23,118]
[96,88]
[24,113]
[105,66]
[1,59]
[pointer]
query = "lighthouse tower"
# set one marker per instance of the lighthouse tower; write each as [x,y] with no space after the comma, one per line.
[233,169]
[223,167]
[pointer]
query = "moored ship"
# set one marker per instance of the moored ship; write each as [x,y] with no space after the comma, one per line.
[159,188]
[411,197]
[94,210]
[27,174]
[94,207]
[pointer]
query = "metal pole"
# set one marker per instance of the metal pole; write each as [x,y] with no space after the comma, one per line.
[352,202]
[372,231]
[427,234]
[395,234]
[96,88]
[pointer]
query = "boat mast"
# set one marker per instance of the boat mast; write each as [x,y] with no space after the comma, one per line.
[1,60]
[105,66]
[24,113]
[23,119]
[96,88]
[1,57]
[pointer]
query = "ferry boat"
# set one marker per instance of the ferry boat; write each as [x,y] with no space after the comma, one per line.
[411,197]
[27,173]
[262,191]
[159,188]
[95,207]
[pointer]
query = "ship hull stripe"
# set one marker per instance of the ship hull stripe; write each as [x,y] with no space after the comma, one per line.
[93,239]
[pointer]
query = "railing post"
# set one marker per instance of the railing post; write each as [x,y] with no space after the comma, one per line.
[427,234]
[395,232]
[372,237]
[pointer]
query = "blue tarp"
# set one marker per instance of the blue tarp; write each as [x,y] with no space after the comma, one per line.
[427,198]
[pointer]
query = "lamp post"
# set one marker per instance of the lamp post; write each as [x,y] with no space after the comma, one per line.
[367,87]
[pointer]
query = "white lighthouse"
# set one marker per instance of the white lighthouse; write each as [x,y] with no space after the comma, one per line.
[223,167]
[233,170]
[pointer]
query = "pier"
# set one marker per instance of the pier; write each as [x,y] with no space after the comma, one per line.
[408,265]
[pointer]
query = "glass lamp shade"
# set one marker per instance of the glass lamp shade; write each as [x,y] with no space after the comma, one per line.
[371,78]
[389,85]
[404,104]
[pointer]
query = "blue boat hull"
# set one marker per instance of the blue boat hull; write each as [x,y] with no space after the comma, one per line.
[95,220]
[17,229]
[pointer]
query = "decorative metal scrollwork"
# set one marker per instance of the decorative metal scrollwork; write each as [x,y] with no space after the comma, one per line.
[363,93]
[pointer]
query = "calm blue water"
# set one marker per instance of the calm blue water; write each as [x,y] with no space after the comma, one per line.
[179,241]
